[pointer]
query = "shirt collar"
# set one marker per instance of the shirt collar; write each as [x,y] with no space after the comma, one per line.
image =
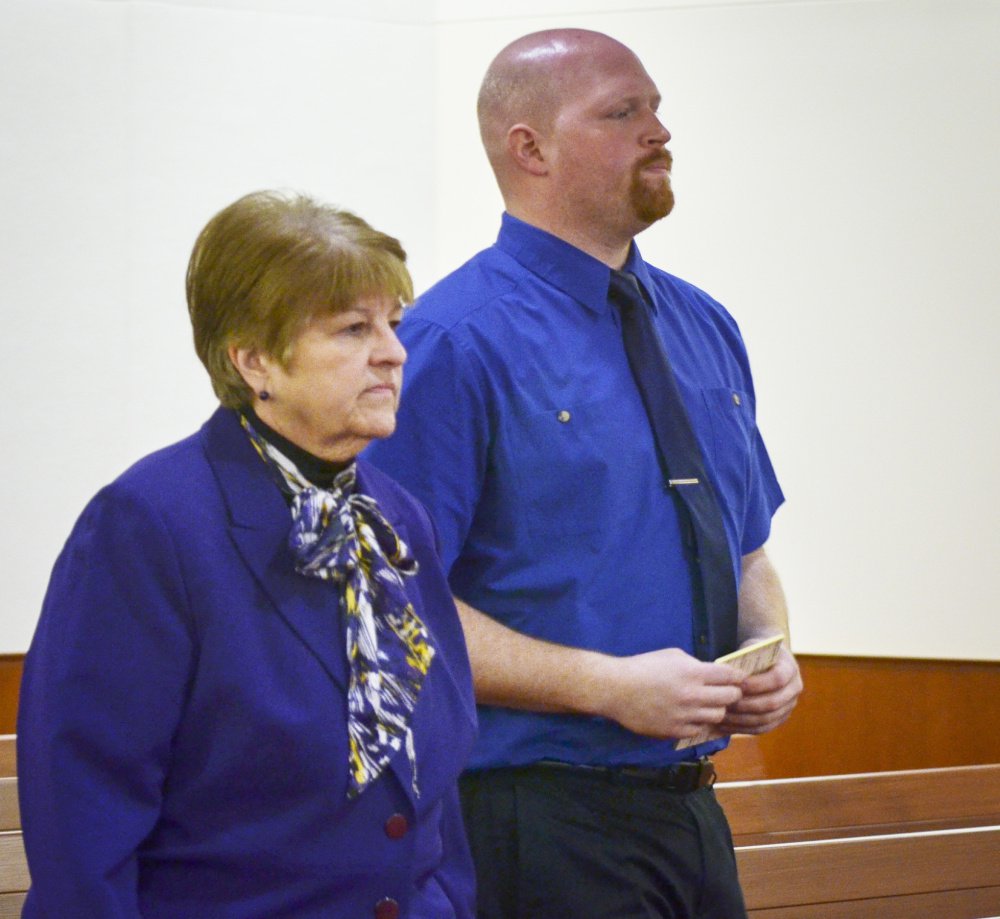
[571,270]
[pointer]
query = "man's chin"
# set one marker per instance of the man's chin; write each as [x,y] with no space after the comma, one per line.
[652,201]
[651,208]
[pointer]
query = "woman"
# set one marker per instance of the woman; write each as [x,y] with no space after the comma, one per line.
[248,695]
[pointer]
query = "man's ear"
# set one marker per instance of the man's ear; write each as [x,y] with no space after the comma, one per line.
[252,365]
[525,150]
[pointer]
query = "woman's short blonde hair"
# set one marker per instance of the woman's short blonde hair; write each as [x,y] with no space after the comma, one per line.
[267,264]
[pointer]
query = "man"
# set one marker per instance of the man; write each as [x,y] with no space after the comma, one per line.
[577,562]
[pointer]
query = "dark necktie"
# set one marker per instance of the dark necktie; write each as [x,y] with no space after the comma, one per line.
[681,460]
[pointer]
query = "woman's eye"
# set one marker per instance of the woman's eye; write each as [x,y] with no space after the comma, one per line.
[356,328]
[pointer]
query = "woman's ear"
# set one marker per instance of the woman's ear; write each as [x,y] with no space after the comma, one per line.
[252,365]
[525,150]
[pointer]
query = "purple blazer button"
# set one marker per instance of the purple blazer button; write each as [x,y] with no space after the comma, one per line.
[387,908]
[396,826]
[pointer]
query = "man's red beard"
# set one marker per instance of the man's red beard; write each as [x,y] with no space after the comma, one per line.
[652,202]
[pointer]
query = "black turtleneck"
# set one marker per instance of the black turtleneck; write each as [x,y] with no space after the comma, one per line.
[319,472]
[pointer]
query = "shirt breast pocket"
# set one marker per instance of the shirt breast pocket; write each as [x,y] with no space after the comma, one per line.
[732,428]
[563,458]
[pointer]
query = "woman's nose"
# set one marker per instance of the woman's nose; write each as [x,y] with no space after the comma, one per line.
[389,349]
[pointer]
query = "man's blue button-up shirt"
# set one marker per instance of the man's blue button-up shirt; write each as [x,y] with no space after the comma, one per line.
[522,430]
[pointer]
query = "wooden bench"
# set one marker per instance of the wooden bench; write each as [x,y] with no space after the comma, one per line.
[892,845]
[14,879]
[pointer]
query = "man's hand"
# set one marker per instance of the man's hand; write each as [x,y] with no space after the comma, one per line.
[767,698]
[667,693]
[664,693]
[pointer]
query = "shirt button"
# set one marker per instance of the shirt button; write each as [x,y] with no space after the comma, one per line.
[563,416]
[387,908]
[736,399]
[396,826]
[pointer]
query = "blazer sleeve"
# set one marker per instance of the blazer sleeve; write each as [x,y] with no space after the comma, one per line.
[104,685]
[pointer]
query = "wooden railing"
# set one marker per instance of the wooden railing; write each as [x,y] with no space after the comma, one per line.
[892,845]
[14,879]
[896,845]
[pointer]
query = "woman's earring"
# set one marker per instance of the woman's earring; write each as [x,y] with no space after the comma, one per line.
[264,395]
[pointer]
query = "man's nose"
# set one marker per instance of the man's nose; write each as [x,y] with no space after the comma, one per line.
[658,133]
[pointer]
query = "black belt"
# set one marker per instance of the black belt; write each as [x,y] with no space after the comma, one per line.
[681,778]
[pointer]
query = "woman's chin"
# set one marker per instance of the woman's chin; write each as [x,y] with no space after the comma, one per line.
[380,428]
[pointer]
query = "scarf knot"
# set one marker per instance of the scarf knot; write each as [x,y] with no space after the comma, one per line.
[342,536]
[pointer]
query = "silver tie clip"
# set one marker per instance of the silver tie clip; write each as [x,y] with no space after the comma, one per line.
[674,482]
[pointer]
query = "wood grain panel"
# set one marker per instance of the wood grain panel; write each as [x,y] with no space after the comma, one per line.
[11,666]
[10,905]
[873,803]
[867,868]
[10,813]
[8,755]
[877,715]
[950,904]
[856,715]
[14,875]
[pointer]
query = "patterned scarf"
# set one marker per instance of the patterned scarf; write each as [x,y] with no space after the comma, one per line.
[340,535]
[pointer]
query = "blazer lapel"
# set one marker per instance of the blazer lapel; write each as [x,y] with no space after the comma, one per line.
[444,714]
[259,525]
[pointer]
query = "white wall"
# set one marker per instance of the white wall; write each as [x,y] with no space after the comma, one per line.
[835,170]
[123,127]
[834,167]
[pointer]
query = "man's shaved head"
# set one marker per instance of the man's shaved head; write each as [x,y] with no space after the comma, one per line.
[528,81]
[569,119]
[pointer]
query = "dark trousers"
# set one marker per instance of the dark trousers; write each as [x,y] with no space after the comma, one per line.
[567,844]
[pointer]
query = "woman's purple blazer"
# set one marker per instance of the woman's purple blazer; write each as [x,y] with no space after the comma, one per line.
[182,740]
